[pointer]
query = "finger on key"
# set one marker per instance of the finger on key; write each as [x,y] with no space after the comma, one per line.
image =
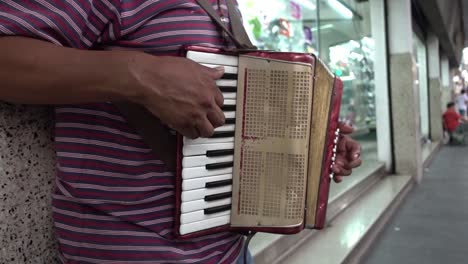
[216,116]
[205,128]
[190,132]
[218,95]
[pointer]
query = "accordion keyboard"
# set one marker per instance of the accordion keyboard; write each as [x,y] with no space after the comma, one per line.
[207,163]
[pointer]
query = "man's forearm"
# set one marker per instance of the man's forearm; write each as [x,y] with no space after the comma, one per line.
[37,72]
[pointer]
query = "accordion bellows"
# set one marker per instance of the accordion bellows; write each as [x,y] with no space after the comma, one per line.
[267,170]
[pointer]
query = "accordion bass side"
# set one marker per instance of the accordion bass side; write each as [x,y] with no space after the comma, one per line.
[268,169]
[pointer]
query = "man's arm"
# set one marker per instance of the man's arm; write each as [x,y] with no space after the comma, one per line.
[38,72]
[183,94]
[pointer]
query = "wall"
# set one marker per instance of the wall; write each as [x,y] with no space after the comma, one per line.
[26,179]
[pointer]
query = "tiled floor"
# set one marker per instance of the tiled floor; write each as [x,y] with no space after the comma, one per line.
[431,226]
[333,244]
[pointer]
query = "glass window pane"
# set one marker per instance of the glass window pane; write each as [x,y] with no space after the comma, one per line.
[346,44]
[279,24]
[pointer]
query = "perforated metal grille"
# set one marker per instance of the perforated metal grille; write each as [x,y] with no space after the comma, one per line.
[255,101]
[249,182]
[299,106]
[273,184]
[295,187]
[277,103]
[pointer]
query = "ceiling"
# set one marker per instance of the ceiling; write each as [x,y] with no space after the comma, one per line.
[465,20]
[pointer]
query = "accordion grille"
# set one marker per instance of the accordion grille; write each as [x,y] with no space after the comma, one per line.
[277,104]
[295,188]
[300,105]
[277,187]
[250,182]
[274,186]
[274,101]
[254,114]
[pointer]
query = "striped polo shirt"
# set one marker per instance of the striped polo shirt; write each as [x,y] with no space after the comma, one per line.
[114,200]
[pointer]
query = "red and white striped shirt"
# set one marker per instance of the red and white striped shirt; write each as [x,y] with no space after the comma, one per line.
[114,200]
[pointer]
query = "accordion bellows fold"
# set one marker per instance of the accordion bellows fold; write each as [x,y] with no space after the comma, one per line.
[272,173]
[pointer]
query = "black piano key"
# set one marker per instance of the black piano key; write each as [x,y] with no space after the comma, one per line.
[219,152]
[217,209]
[222,134]
[228,108]
[220,165]
[228,89]
[218,196]
[216,184]
[229,76]
[230,121]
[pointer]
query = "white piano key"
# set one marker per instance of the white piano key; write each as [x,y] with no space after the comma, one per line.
[187,207]
[227,69]
[197,172]
[198,194]
[188,141]
[228,83]
[196,161]
[205,224]
[230,95]
[210,58]
[230,114]
[199,183]
[226,128]
[192,150]
[229,101]
[200,216]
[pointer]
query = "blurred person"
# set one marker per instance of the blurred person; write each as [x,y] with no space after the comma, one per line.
[454,124]
[114,199]
[462,100]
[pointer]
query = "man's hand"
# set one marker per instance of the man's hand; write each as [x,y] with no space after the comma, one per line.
[182,93]
[348,154]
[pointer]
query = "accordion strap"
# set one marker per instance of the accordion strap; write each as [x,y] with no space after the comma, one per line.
[238,35]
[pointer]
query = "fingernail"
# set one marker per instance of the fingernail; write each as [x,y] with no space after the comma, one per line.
[357,155]
[219,69]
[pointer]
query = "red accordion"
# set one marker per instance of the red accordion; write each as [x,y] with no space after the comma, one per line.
[268,169]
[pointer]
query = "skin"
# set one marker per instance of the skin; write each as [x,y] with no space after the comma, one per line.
[181,93]
[348,154]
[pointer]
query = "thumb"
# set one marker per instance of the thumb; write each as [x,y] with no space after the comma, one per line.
[345,129]
[217,72]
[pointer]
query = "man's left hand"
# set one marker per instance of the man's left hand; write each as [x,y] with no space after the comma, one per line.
[348,154]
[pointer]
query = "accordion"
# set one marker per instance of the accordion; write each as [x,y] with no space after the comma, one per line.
[268,169]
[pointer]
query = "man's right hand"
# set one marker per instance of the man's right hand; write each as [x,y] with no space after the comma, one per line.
[181,93]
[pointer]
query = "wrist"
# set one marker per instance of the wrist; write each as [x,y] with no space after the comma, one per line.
[122,78]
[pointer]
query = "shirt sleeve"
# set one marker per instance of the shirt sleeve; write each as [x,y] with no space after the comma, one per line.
[71,23]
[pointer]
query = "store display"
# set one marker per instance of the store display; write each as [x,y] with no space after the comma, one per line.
[277,26]
[353,62]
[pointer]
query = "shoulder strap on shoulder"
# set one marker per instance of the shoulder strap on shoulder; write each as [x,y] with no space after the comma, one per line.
[238,35]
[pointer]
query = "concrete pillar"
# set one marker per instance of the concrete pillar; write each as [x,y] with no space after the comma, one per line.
[404,91]
[445,81]
[384,137]
[27,173]
[435,93]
